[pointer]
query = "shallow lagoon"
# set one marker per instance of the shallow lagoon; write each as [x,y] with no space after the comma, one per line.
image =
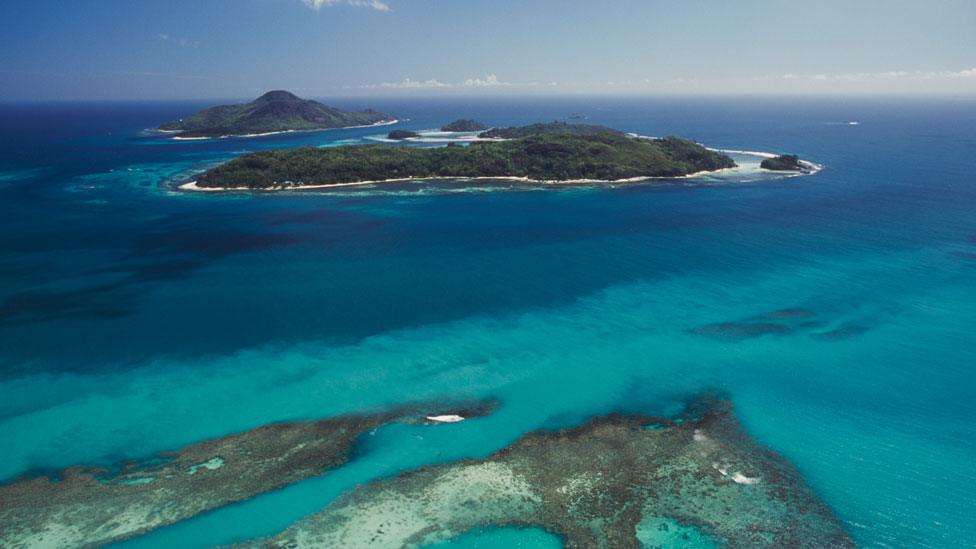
[136,320]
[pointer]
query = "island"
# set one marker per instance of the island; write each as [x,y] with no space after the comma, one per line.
[583,130]
[464,125]
[400,135]
[783,163]
[274,112]
[541,153]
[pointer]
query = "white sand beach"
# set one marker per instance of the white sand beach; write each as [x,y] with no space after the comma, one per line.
[381,123]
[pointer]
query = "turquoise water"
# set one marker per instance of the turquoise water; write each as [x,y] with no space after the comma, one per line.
[134,319]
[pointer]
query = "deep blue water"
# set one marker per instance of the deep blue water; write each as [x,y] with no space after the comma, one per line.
[135,319]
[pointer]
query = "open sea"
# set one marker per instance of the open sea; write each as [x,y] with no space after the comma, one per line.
[136,319]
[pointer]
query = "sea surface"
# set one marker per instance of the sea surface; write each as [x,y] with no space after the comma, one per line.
[136,319]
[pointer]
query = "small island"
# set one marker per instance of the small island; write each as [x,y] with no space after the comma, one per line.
[464,125]
[582,130]
[542,152]
[274,112]
[784,163]
[400,135]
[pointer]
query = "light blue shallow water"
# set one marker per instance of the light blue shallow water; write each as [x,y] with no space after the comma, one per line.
[134,319]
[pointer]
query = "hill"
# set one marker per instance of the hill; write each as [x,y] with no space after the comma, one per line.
[275,111]
[464,125]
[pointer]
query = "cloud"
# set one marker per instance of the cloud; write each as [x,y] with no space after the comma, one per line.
[374,4]
[886,75]
[490,80]
[182,41]
[967,73]
[487,81]
[408,83]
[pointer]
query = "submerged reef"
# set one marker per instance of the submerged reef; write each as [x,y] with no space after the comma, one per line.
[616,481]
[781,322]
[92,506]
[792,321]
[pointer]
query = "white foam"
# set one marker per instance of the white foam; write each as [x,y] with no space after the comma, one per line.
[447,418]
[210,465]
[739,478]
[760,154]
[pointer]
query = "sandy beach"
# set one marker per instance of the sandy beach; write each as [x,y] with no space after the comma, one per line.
[203,138]
[192,185]
[811,169]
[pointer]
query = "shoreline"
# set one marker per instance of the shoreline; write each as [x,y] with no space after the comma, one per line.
[811,169]
[282,132]
[437,136]
[192,185]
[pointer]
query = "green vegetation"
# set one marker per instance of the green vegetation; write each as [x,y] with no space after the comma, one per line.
[573,153]
[464,125]
[402,134]
[784,163]
[275,111]
[550,127]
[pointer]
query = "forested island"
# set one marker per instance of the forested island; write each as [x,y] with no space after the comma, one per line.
[541,152]
[515,132]
[783,163]
[273,112]
[464,125]
[400,135]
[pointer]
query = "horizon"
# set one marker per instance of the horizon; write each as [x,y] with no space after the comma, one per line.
[398,48]
[906,97]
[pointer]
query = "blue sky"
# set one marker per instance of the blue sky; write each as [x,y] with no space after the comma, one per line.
[175,49]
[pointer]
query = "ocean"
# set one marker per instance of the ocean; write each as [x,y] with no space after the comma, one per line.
[835,310]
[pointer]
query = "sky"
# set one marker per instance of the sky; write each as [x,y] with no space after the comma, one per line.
[202,49]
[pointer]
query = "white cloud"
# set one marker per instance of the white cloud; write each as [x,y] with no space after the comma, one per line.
[488,81]
[183,41]
[886,75]
[374,4]
[407,83]
[967,73]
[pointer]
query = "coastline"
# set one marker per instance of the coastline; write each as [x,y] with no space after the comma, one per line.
[813,168]
[437,136]
[245,135]
[192,185]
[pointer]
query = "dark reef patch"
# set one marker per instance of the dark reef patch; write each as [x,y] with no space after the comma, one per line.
[741,330]
[100,301]
[595,485]
[160,256]
[795,312]
[780,322]
[213,244]
[843,332]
